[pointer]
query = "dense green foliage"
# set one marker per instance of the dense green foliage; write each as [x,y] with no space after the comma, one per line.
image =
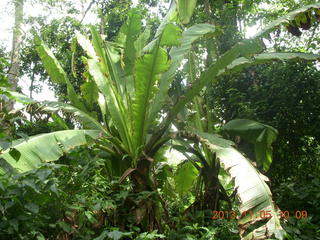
[283,96]
[135,86]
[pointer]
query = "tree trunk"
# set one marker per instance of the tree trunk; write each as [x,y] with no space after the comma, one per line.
[13,73]
[146,211]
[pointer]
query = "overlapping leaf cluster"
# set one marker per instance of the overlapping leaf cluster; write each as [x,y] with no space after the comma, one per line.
[129,81]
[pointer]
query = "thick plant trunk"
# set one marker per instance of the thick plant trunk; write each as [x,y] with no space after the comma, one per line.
[211,197]
[140,177]
[13,73]
[146,211]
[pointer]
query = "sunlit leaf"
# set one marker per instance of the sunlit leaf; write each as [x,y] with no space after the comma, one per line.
[90,93]
[142,41]
[177,54]
[285,19]
[185,9]
[147,70]
[261,135]
[129,33]
[184,177]
[252,190]
[47,147]
[171,35]
[242,62]
[56,72]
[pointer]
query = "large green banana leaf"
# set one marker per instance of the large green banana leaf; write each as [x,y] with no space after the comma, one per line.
[285,19]
[86,120]
[147,70]
[184,177]
[107,75]
[252,190]
[142,41]
[177,54]
[114,102]
[242,62]
[17,96]
[171,14]
[28,154]
[261,135]
[56,72]
[129,33]
[185,9]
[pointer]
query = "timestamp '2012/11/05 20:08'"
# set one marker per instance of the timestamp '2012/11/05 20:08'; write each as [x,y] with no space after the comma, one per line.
[263,214]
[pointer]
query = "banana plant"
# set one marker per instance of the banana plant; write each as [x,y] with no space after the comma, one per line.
[200,117]
[128,81]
